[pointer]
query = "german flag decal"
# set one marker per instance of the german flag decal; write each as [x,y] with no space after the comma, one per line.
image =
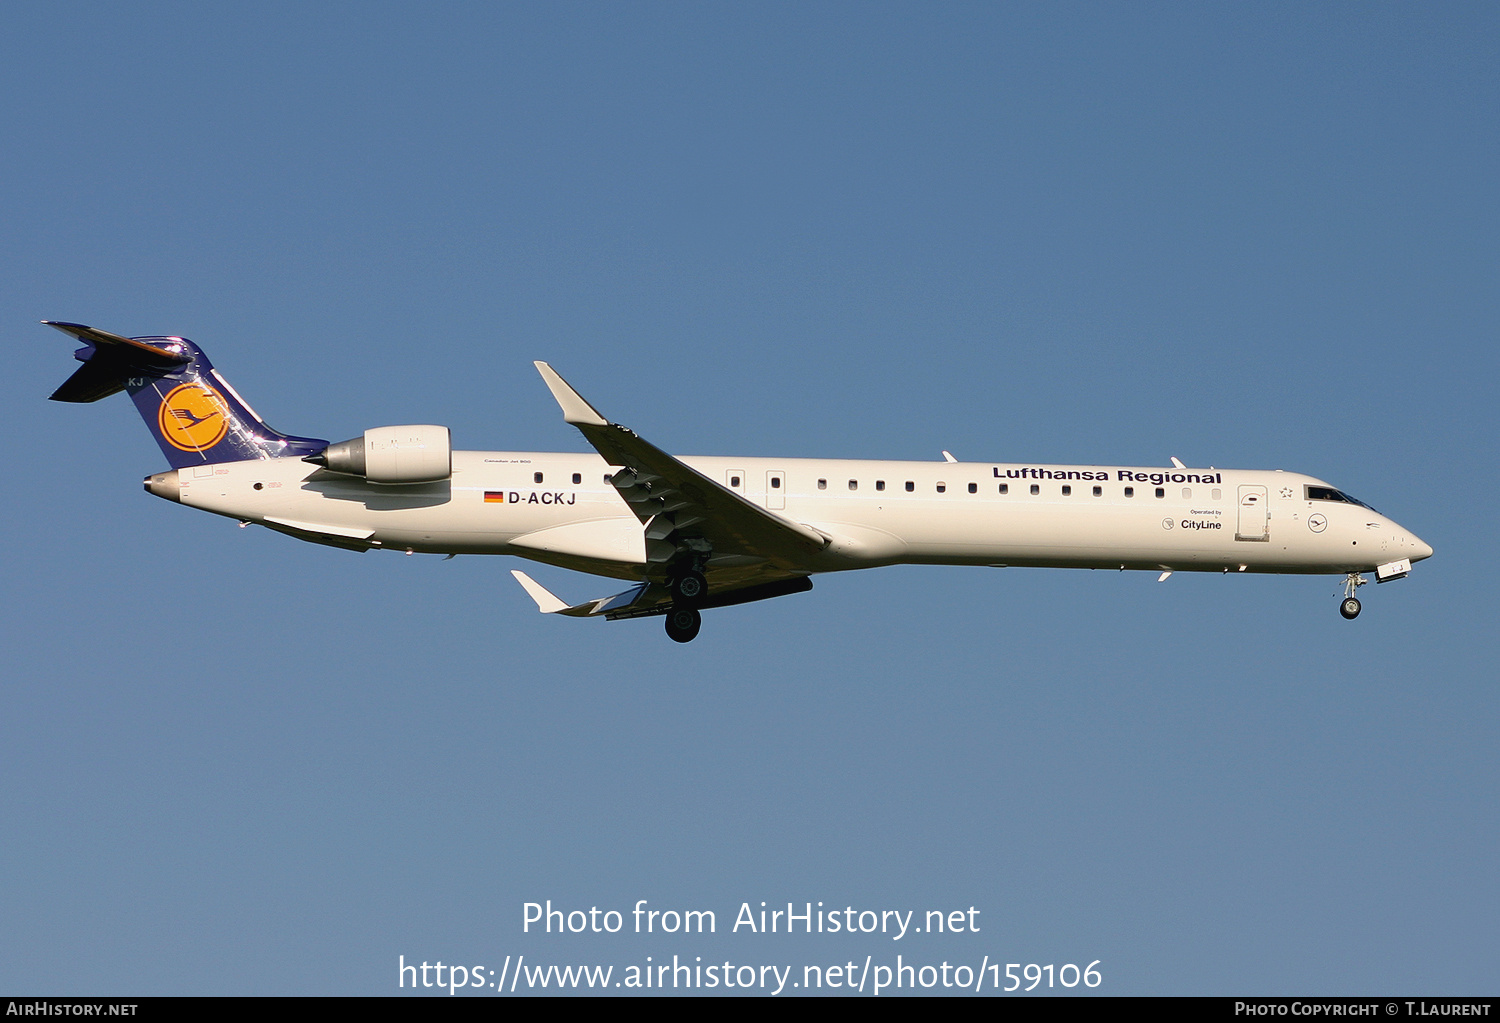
[494,497]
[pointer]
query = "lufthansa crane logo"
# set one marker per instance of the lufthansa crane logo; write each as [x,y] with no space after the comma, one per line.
[193,417]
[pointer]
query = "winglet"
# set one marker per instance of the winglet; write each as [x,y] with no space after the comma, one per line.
[575,409]
[547,603]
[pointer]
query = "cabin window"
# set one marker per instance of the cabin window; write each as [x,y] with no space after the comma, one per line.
[734,481]
[854,484]
[1005,488]
[973,488]
[1161,492]
[1187,493]
[1035,489]
[1216,494]
[537,476]
[1067,490]
[578,477]
[608,477]
[1098,491]
[822,484]
[910,486]
[942,488]
[880,484]
[775,482]
[1130,491]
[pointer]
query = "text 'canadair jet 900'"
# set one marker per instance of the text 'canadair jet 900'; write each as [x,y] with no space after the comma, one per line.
[697,533]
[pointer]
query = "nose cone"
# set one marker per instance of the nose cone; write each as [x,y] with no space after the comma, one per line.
[1420,550]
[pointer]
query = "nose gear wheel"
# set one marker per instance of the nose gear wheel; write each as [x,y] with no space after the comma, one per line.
[1350,606]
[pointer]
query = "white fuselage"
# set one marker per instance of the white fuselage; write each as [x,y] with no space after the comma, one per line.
[874,513]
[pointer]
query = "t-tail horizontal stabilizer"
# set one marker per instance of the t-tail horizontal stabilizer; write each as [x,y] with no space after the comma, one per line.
[109,361]
[549,603]
[191,410]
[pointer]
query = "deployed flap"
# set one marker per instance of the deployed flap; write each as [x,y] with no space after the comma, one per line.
[677,503]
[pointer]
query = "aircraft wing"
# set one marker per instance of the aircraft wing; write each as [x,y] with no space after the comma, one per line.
[683,510]
[550,604]
[652,598]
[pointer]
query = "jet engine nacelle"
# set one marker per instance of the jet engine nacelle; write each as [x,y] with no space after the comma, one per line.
[392,455]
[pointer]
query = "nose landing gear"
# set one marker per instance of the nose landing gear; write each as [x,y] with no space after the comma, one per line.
[1350,606]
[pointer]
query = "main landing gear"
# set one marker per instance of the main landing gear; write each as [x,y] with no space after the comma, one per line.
[683,620]
[1350,606]
[689,587]
[683,623]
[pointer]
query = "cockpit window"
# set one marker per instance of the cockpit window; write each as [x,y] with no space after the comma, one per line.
[1329,494]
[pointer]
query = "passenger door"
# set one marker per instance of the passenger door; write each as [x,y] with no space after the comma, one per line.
[1255,515]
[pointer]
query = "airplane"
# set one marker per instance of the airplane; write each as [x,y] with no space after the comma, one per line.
[692,534]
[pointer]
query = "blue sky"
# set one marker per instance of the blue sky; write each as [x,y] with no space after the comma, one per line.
[1260,236]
